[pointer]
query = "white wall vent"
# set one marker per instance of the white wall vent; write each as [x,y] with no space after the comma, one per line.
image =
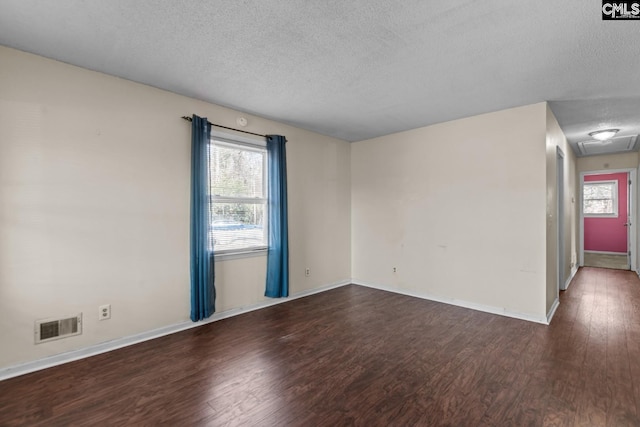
[54,329]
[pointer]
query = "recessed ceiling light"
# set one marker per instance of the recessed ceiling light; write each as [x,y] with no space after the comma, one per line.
[604,135]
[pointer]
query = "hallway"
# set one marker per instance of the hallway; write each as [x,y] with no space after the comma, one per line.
[595,348]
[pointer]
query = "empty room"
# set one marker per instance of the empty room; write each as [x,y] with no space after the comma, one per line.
[280,213]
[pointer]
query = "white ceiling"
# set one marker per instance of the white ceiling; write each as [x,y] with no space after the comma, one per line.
[353,69]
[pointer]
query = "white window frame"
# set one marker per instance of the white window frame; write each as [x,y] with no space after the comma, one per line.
[614,214]
[249,144]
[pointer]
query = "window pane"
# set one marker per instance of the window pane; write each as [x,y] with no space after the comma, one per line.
[598,206]
[600,198]
[236,172]
[238,226]
[598,191]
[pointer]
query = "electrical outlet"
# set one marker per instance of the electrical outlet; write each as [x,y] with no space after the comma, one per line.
[395,270]
[104,312]
[307,272]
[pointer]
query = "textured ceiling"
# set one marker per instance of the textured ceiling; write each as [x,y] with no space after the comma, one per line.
[579,117]
[352,69]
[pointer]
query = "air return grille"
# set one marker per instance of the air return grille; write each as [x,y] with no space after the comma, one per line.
[53,329]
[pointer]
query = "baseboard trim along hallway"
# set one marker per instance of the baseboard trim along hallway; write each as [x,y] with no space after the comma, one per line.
[552,310]
[574,270]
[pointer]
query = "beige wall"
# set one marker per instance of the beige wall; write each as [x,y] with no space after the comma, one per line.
[555,138]
[611,161]
[458,208]
[94,206]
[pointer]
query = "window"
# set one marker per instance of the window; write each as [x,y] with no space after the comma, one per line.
[238,205]
[600,199]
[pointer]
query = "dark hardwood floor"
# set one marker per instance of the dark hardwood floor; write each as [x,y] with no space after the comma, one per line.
[358,356]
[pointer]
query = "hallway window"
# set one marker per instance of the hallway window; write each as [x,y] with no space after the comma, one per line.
[600,199]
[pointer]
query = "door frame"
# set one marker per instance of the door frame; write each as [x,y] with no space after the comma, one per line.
[560,192]
[633,209]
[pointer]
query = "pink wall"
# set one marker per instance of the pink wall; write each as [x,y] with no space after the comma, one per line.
[608,234]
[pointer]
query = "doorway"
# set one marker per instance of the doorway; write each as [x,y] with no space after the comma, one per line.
[560,215]
[607,238]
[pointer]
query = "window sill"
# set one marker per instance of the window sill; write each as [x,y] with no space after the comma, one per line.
[226,256]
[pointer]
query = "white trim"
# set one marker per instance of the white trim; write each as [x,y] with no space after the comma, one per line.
[70,356]
[633,217]
[226,256]
[552,310]
[457,302]
[560,223]
[605,252]
[574,270]
[235,138]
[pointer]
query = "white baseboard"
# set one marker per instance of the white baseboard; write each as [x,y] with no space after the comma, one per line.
[552,310]
[457,302]
[70,356]
[574,270]
[605,253]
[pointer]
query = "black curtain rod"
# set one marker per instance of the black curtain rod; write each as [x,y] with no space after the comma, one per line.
[190,119]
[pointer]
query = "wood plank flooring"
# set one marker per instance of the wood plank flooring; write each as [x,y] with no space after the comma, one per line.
[358,356]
